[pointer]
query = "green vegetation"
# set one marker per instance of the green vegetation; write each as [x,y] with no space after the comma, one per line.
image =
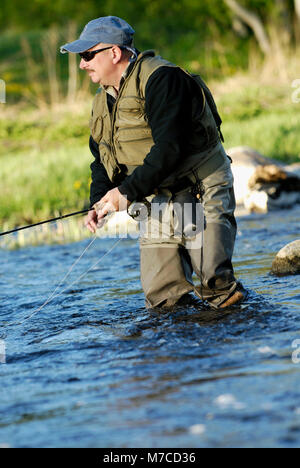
[44,130]
[35,186]
[264,118]
[38,132]
[45,160]
[273,134]
[183,29]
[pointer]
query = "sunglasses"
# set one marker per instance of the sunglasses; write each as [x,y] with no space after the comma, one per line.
[89,55]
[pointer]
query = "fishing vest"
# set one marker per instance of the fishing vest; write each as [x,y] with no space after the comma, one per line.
[124,136]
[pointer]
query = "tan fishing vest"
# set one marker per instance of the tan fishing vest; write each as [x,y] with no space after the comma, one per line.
[124,136]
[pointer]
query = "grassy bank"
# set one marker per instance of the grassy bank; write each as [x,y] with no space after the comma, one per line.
[261,116]
[41,184]
[37,185]
[26,130]
[45,157]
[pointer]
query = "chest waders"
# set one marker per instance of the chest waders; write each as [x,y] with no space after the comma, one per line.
[169,260]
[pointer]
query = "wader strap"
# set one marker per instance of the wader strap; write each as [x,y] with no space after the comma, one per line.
[211,165]
[188,179]
[199,172]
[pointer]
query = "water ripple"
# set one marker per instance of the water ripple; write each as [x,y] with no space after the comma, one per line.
[95,368]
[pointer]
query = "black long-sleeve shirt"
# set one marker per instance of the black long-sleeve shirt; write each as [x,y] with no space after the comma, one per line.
[169,104]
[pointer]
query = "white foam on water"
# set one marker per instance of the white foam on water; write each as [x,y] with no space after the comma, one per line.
[266,350]
[197,429]
[227,401]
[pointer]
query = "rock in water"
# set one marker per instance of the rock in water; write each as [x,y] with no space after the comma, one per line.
[262,184]
[287,261]
[293,168]
[271,188]
[265,174]
[245,161]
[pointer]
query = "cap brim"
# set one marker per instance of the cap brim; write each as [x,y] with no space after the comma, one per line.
[77,46]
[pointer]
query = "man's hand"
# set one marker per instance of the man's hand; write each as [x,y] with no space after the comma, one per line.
[91,221]
[112,201]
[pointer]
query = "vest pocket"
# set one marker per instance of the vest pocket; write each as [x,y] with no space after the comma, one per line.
[131,104]
[96,126]
[133,145]
[126,135]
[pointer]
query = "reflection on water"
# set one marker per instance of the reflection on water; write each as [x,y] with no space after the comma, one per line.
[94,368]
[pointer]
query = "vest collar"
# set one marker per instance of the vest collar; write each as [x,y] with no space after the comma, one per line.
[110,89]
[146,53]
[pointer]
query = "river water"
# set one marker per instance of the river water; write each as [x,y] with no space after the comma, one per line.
[94,368]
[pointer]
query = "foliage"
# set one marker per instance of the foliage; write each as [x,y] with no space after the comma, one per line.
[262,117]
[196,35]
[44,155]
[173,14]
[57,180]
[52,149]
[42,132]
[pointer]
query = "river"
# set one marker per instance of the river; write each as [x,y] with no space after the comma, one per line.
[94,368]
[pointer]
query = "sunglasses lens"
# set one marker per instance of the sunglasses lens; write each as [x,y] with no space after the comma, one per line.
[86,56]
[89,55]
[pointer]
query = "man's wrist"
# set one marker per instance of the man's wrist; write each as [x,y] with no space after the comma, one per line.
[127,193]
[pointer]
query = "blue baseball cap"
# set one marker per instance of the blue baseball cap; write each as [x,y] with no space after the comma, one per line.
[107,29]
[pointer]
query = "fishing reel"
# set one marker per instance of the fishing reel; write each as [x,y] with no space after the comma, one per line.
[139,210]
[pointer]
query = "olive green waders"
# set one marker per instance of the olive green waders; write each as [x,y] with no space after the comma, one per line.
[168,261]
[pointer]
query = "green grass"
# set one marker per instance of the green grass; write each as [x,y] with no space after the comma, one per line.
[22,131]
[275,135]
[44,154]
[262,117]
[45,159]
[36,186]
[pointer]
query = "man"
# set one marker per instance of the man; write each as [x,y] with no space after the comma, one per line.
[155,130]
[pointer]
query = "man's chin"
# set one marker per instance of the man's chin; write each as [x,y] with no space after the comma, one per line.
[93,77]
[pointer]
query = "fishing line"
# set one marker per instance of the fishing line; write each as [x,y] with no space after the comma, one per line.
[53,296]
[59,284]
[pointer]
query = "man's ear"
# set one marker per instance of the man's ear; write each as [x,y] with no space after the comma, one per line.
[117,54]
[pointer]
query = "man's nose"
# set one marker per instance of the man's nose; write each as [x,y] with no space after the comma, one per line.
[83,64]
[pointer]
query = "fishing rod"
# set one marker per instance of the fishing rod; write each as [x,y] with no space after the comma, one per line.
[47,221]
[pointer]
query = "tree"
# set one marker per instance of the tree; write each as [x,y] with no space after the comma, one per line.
[254,22]
[297,9]
[260,15]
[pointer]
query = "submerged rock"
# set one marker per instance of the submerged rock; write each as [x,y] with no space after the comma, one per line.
[287,261]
